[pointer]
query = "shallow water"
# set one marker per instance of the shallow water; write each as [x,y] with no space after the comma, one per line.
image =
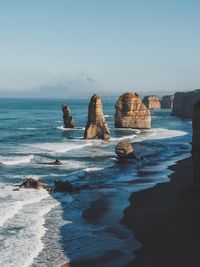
[42,230]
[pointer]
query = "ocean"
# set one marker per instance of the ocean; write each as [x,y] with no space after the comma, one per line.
[38,229]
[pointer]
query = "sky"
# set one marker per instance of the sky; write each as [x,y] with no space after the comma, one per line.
[74,48]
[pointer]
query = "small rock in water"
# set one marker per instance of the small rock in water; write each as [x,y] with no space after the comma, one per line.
[65,186]
[35,184]
[15,189]
[124,150]
[56,162]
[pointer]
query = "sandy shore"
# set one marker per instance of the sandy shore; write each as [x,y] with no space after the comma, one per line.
[166,220]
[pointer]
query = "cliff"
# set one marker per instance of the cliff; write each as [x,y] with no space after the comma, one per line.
[167,101]
[184,103]
[96,127]
[151,102]
[130,112]
[196,144]
[67,117]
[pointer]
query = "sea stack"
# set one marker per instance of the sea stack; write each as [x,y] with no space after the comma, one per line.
[131,112]
[184,103]
[67,117]
[196,144]
[151,102]
[96,127]
[167,101]
[124,150]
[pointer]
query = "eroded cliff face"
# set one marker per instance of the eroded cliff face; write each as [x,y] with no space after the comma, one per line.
[196,144]
[67,117]
[151,102]
[167,101]
[96,127]
[184,103]
[130,112]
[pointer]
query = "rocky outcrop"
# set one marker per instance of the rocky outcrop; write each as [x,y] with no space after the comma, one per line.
[67,117]
[55,163]
[96,127]
[35,184]
[151,102]
[65,186]
[131,112]
[124,150]
[196,144]
[167,101]
[184,103]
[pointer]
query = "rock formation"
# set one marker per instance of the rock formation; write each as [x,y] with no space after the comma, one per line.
[196,144]
[124,150]
[151,102]
[55,162]
[131,112]
[167,101]
[184,103]
[65,186]
[96,127]
[35,184]
[67,117]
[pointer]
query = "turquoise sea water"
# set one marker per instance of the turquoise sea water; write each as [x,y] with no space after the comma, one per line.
[37,229]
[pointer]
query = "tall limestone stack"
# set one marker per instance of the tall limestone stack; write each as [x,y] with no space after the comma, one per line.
[67,117]
[96,127]
[131,112]
[167,101]
[184,103]
[151,102]
[196,144]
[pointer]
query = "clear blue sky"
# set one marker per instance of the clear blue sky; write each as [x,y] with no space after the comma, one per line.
[67,48]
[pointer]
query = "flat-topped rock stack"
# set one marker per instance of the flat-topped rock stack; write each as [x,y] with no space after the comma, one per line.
[196,144]
[67,117]
[130,112]
[184,103]
[96,127]
[167,101]
[151,102]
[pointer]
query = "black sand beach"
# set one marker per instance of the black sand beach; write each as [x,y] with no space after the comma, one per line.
[166,220]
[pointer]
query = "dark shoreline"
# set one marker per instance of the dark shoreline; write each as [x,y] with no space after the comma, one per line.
[166,220]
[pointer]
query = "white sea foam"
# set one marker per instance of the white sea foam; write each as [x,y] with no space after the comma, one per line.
[16,160]
[93,169]
[66,164]
[13,201]
[125,137]
[59,147]
[70,129]
[29,129]
[160,133]
[153,134]
[21,234]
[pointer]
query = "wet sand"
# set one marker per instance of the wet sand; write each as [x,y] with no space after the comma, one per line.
[166,220]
